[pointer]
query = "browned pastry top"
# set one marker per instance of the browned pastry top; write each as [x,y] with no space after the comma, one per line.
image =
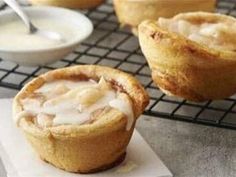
[127,88]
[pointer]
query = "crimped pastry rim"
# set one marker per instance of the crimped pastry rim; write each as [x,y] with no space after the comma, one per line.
[83,4]
[130,85]
[151,25]
[121,5]
[158,1]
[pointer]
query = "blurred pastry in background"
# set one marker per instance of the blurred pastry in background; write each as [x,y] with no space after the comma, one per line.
[73,4]
[80,118]
[192,55]
[132,12]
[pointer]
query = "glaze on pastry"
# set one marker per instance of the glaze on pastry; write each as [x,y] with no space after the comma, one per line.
[80,118]
[133,12]
[74,4]
[192,55]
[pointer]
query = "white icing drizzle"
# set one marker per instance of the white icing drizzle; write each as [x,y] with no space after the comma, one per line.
[215,35]
[71,102]
[126,108]
[44,120]
[73,116]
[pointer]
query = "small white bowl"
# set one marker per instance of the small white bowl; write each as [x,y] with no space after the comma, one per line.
[39,57]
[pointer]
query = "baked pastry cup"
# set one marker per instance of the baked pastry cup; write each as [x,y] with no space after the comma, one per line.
[73,4]
[89,146]
[192,55]
[133,12]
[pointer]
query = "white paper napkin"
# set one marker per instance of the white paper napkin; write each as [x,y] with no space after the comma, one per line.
[20,160]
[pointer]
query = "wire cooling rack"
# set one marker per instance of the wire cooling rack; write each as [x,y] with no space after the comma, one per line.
[118,48]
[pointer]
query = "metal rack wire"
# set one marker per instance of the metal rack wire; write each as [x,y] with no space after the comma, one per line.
[118,48]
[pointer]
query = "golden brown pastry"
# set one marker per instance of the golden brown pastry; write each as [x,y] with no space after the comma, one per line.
[133,12]
[74,4]
[192,55]
[80,118]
